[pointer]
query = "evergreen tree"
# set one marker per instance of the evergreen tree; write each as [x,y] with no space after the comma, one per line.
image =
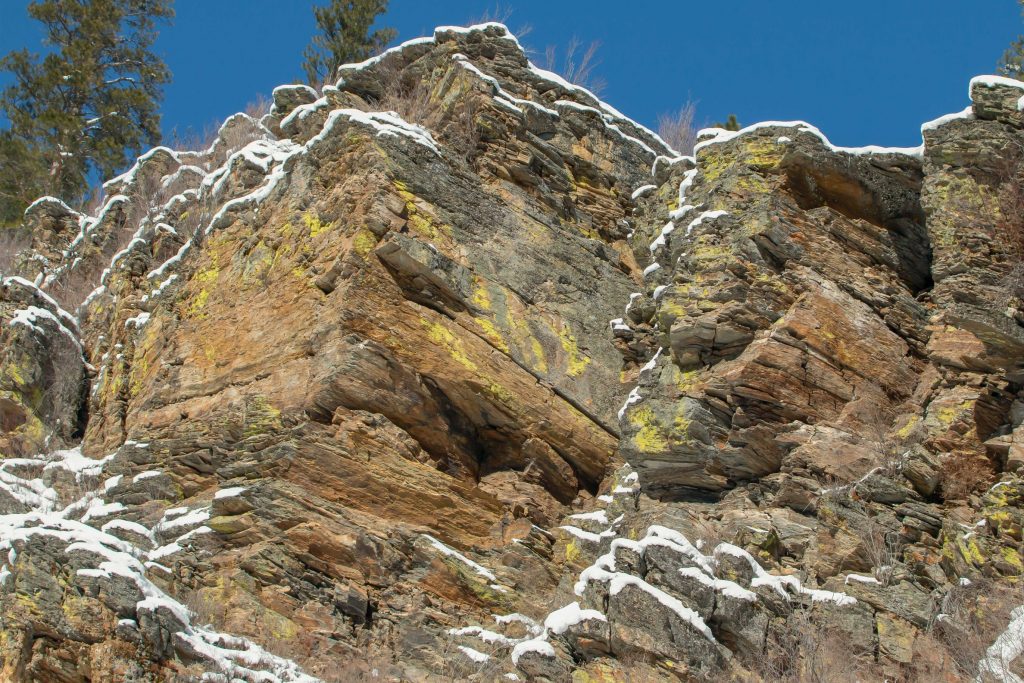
[1012,64]
[88,105]
[344,36]
[729,124]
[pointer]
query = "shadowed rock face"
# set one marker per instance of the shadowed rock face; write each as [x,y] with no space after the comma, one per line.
[354,398]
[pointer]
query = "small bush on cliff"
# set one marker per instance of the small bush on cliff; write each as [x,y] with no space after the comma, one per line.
[577,64]
[963,474]
[679,129]
[971,617]
[12,242]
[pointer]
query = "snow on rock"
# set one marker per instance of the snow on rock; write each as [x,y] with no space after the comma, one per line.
[586,535]
[450,552]
[229,492]
[705,216]
[33,314]
[643,191]
[1001,655]
[715,136]
[483,634]
[618,324]
[660,240]
[599,516]
[559,621]
[634,397]
[989,81]
[538,645]
[474,655]
[967,113]
[107,557]
[859,578]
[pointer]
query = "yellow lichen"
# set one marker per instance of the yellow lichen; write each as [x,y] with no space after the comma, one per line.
[364,242]
[577,362]
[492,333]
[649,437]
[313,224]
[260,417]
[438,334]
[481,297]
[197,305]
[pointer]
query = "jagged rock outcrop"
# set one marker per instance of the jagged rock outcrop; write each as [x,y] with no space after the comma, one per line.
[349,389]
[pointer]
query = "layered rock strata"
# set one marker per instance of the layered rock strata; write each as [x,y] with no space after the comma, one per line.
[496,384]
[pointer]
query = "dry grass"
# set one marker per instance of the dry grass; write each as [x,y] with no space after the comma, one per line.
[964,473]
[679,129]
[414,101]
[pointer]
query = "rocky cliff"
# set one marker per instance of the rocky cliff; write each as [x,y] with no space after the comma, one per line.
[452,371]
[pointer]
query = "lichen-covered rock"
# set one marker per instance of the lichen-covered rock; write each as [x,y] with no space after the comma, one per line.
[371,390]
[42,372]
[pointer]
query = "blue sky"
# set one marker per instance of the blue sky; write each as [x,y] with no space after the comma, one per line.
[865,72]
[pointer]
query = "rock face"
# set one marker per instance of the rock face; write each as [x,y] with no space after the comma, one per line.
[343,395]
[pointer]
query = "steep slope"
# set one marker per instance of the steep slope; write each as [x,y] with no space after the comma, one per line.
[374,331]
[362,392]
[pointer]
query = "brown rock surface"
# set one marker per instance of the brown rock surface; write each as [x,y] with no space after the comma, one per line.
[356,383]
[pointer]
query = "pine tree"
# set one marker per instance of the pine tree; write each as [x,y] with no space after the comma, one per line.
[729,124]
[88,105]
[344,37]
[1012,64]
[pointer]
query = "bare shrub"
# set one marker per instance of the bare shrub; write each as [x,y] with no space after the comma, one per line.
[679,129]
[258,107]
[74,285]
[191,139]
[802,649]
[963,473]
[462,134]
[13,241]
[971,619]
[410,98]
[501,14]
[577,65]
[883,550]
[205,611]
[413,100]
